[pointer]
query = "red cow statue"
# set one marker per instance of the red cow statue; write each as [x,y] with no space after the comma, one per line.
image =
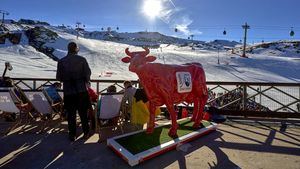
[169,85]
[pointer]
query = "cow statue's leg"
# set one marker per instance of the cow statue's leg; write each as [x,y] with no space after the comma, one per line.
[173,131]
[196,109]
[200,112]
[150,126]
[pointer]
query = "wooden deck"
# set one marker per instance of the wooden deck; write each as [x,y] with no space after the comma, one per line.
[236,144]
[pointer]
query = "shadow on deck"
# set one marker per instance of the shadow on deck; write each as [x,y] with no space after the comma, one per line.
[236,144]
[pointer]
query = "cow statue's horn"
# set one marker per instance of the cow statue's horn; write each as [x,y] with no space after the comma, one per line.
[127,52]
[147,51]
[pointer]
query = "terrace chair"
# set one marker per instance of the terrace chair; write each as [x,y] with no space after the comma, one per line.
[61,94]
[41,107]
[55,99]
[26,109]
[7,103]
[21,101]
[8,108]
[109,116]
[40,103]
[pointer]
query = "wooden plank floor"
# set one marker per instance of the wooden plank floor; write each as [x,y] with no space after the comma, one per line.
[233,145]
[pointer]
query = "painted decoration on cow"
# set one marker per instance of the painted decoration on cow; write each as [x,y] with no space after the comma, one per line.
[184,82]
[161,82]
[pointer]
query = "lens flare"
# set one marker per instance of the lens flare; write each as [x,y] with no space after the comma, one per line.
[152,8]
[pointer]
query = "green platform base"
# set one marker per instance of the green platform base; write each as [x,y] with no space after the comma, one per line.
[138,146]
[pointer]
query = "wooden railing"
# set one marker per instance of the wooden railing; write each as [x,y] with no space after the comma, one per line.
[256,98]
[37,83]
[226,96]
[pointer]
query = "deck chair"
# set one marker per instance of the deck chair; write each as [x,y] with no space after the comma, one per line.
[19,98]
[109,116]
[41,106]
[55,100]
[61,94]
[40,103]
[26,109]
[8,108]
[6,103]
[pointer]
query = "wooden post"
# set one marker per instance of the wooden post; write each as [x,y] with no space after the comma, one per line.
[34,84]
[244,101]
[97,87]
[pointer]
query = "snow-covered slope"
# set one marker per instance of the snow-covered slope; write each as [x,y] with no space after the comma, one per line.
[278,48]
[26,62]
[104,58]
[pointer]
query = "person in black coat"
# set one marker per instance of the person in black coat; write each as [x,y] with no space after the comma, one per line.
[74,71]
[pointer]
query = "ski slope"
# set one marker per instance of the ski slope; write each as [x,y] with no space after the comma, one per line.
[104,58]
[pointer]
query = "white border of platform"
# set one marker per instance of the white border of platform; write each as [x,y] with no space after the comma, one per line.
[133,160]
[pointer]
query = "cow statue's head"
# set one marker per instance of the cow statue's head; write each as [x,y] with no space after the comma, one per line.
[137,59]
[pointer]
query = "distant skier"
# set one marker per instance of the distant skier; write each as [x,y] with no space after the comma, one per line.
[74,71]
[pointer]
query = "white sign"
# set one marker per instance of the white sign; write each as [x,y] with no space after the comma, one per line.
[4,99]
[184,82]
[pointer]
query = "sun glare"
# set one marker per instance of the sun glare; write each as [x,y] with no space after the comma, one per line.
[152,8]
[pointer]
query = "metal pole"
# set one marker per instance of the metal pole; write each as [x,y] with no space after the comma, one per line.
[218,56]
[245,27]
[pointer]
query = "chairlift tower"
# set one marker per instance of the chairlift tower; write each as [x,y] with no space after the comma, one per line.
[192,37]
[218,54]
[245,27]
[78,28]
[3,14]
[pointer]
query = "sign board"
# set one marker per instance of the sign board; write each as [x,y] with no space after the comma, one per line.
[184,82]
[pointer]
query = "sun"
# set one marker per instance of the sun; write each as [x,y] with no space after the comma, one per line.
[152,8]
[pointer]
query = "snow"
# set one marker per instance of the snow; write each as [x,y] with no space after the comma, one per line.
[27,62]
[104,58]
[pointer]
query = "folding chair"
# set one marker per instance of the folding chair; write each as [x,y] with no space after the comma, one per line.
[22,104]
[40,103]
[55,100]
[7,103]
[8,108]
[20,99]
[108,110]
[41,106]
[61,94]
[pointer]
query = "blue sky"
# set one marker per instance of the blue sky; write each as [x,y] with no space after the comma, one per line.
[205,19]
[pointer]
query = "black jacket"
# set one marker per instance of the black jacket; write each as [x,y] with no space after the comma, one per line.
[74,72]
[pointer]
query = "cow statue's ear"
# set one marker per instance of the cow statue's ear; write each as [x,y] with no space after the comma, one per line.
[150,58]
[126,59]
